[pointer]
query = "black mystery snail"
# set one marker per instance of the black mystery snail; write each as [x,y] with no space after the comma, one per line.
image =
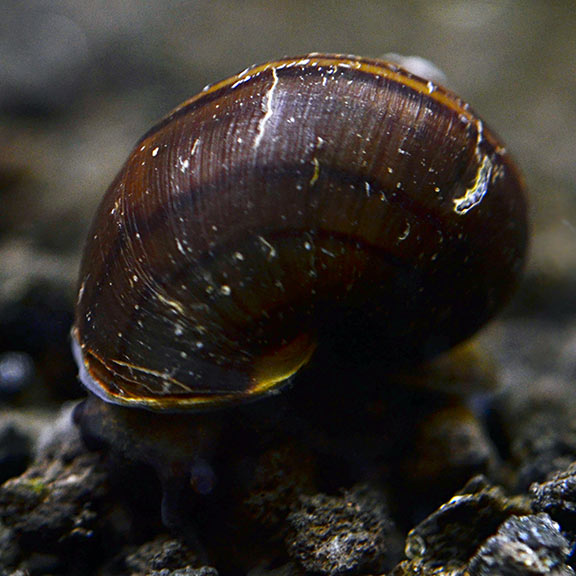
[322,203]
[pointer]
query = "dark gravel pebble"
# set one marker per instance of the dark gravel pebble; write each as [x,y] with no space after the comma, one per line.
[333,535]
[457,528]
[165,555]
[557,497]
[523,545]
[52,509]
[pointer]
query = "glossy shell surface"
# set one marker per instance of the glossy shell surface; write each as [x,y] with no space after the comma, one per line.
[325,201]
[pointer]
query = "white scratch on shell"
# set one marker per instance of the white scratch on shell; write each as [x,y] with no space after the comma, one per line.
[404,234]
[180,246]
[171,303]
[475,193]
[269,111]
[316,173]
[271,250]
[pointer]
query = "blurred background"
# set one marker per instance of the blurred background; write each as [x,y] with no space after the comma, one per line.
[82,80]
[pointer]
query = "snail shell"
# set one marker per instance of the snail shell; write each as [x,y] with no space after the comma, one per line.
[325,201]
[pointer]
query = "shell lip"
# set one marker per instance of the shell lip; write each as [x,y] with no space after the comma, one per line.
[193,403]
[85,377]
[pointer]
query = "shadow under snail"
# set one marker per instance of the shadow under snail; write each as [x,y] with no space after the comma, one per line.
[322,203]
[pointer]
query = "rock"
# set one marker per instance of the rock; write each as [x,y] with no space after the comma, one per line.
[53,504]
[340,535]
[166,556]
[523,546]
[204,571]
[557,497]
[451,535]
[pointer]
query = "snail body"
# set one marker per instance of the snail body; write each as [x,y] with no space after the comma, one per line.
[324,201]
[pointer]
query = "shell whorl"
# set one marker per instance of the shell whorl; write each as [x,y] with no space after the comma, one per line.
[323,200]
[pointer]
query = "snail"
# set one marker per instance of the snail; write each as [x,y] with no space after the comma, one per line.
[308,206]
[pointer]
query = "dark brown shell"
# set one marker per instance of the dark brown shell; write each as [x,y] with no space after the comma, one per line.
[323,201]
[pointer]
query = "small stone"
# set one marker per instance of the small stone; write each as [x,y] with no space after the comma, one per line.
[523,546]
[188,571]
[162,553]
[452,533]
[54,501]
[337,535]
[557,497]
